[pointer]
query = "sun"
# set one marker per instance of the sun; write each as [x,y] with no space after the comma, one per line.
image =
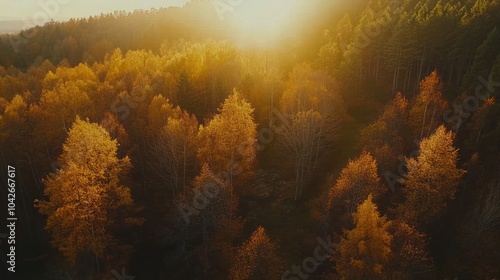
[264,20]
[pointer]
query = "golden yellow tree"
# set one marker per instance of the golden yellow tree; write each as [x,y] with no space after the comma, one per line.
[227,142]
[257,259]
[356,181]
[171,149]
[160,109]
[426,114]
[116,131]
[81,75]
[365,250]
[432,178]
[411,257]
[85,197]
[179,136]
[66,93]
[386,138]
[13,125]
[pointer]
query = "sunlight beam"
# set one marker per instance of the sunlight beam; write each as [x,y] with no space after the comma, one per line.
[261,21]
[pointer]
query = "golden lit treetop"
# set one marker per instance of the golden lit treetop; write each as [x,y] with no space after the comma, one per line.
[227,142]
[432,178]
[366,249]
[427,111]
[257,259]
[356,181]
[90,145]
[85,196]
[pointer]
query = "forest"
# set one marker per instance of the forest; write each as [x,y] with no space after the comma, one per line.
[362,143]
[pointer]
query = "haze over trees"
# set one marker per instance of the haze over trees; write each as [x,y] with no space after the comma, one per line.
[162,143]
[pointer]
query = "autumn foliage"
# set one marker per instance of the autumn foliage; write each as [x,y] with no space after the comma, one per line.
[159,142]
[257,259]
[86,199]
[366,249]
[432,179]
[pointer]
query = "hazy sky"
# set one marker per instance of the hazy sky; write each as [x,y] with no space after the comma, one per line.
[29,9]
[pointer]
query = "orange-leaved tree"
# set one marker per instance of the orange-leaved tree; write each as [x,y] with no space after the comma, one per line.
[356,181]
[227,142]
[86,201]
[426,113]
[257,259]
[432,178]
[365,251]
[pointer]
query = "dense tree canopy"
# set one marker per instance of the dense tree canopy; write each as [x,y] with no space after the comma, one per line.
[372,125]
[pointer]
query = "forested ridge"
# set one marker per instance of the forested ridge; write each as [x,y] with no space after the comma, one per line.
[364,144]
